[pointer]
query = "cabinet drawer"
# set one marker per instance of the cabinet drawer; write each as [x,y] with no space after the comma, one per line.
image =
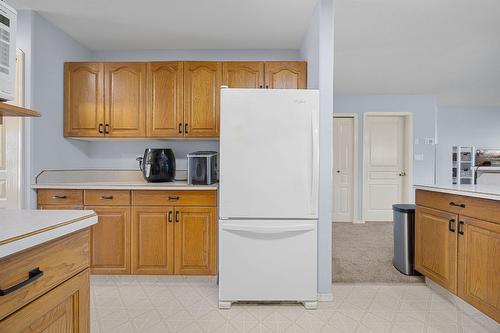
[60,197]
[484,209]
[174,198]
[106,198]
[58,260]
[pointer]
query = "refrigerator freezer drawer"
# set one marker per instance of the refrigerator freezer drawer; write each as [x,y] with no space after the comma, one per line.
[268,260]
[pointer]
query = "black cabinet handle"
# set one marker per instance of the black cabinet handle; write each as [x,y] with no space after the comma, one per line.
[173,198]
[32,276]
[461,205]
[59,197]
[100,128]
[186,128]
[176,216]
[461,227]
[107,197]
[267,86]
[451,225]
[180,128]
[169,216]
[106,129]
[260,86]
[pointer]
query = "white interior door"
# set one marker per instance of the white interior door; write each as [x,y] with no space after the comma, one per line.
[10,147]
[343,169]
[384,143]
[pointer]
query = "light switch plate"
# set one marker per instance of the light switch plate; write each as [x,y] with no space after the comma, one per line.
[418,157]
[429,141]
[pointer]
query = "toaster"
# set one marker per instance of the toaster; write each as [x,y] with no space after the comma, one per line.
[202,168]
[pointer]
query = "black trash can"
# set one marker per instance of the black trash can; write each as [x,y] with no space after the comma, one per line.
[404,238]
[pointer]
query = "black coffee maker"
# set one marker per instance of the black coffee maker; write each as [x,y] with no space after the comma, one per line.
[158,165]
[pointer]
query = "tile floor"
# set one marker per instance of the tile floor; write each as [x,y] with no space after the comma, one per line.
[189,304]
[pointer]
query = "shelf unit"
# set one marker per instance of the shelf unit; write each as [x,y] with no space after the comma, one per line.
[463,162]
[8,110]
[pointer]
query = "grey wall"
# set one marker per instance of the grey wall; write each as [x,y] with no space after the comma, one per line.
[423,109]
[479,127]
[309,50]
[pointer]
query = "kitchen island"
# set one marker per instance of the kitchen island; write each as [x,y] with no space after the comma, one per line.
[44,270]
[457,242]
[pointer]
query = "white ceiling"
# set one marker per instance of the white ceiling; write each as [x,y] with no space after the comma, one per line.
[178,24]
[447,48]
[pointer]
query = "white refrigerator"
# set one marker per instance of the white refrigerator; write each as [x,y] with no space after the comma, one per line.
[268,195]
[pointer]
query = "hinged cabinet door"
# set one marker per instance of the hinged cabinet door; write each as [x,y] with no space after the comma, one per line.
[436,246]
[125,100]
[165,92]
[110,240]
[479,265]
[286,75]
[195,240]
[152,240]
[83,99]
[202,81]
[243,74]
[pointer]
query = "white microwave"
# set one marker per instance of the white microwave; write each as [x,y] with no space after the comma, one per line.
[8,25]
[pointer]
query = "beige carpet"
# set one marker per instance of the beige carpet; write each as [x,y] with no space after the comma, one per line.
[363,253]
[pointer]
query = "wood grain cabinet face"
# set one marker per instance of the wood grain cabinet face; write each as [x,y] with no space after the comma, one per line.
[125,107]
[436,246]
[152,240]
[165,105]
[243,74]
[286,75]
[84,99]
[65,309]
[479,265]
[110,240]
[195,240]
[202,81]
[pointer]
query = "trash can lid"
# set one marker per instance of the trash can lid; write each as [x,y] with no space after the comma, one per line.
[404,208]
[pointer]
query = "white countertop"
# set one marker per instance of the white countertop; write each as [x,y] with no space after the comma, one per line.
[110,180]
[478,191]
[22,229]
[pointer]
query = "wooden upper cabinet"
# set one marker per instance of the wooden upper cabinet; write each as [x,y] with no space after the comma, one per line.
[195,240]
[165,91]
[286,75]
[479,265]
[436,246]
[125,107]
[243,74]
[202,81]
[83,99]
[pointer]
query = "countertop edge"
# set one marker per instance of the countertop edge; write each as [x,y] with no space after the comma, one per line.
[126,187]
[463,192]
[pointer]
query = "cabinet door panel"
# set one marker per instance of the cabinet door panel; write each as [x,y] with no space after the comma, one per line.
[195,240]
[243,74]
[83,99]
[152,240]
[286,75]
[165,92]
[436,246]
[479,265]
[202,81]
[125,99]
[110,239]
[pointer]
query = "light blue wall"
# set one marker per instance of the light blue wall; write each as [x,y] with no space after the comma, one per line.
[423,109]
[309,50]
[464,126]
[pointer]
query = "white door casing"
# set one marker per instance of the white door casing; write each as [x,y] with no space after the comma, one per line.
[384,167]
[10,146]
[343,169]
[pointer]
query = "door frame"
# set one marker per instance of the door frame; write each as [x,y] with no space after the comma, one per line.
[355,162]
[408,194]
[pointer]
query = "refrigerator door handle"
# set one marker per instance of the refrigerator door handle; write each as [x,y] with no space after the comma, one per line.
[258,229]
[314,163]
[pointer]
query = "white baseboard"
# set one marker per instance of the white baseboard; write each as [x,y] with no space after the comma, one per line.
[471,311]
[358,222]
[325,297]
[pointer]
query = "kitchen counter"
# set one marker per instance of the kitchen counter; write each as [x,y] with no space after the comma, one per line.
[491,192]
[109,180]
[23,229]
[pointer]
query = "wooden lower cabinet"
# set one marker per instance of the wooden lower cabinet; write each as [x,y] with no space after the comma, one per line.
[436,246]
[64,309]
[195,240]
[479,265]
[110,240]
[152,240]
